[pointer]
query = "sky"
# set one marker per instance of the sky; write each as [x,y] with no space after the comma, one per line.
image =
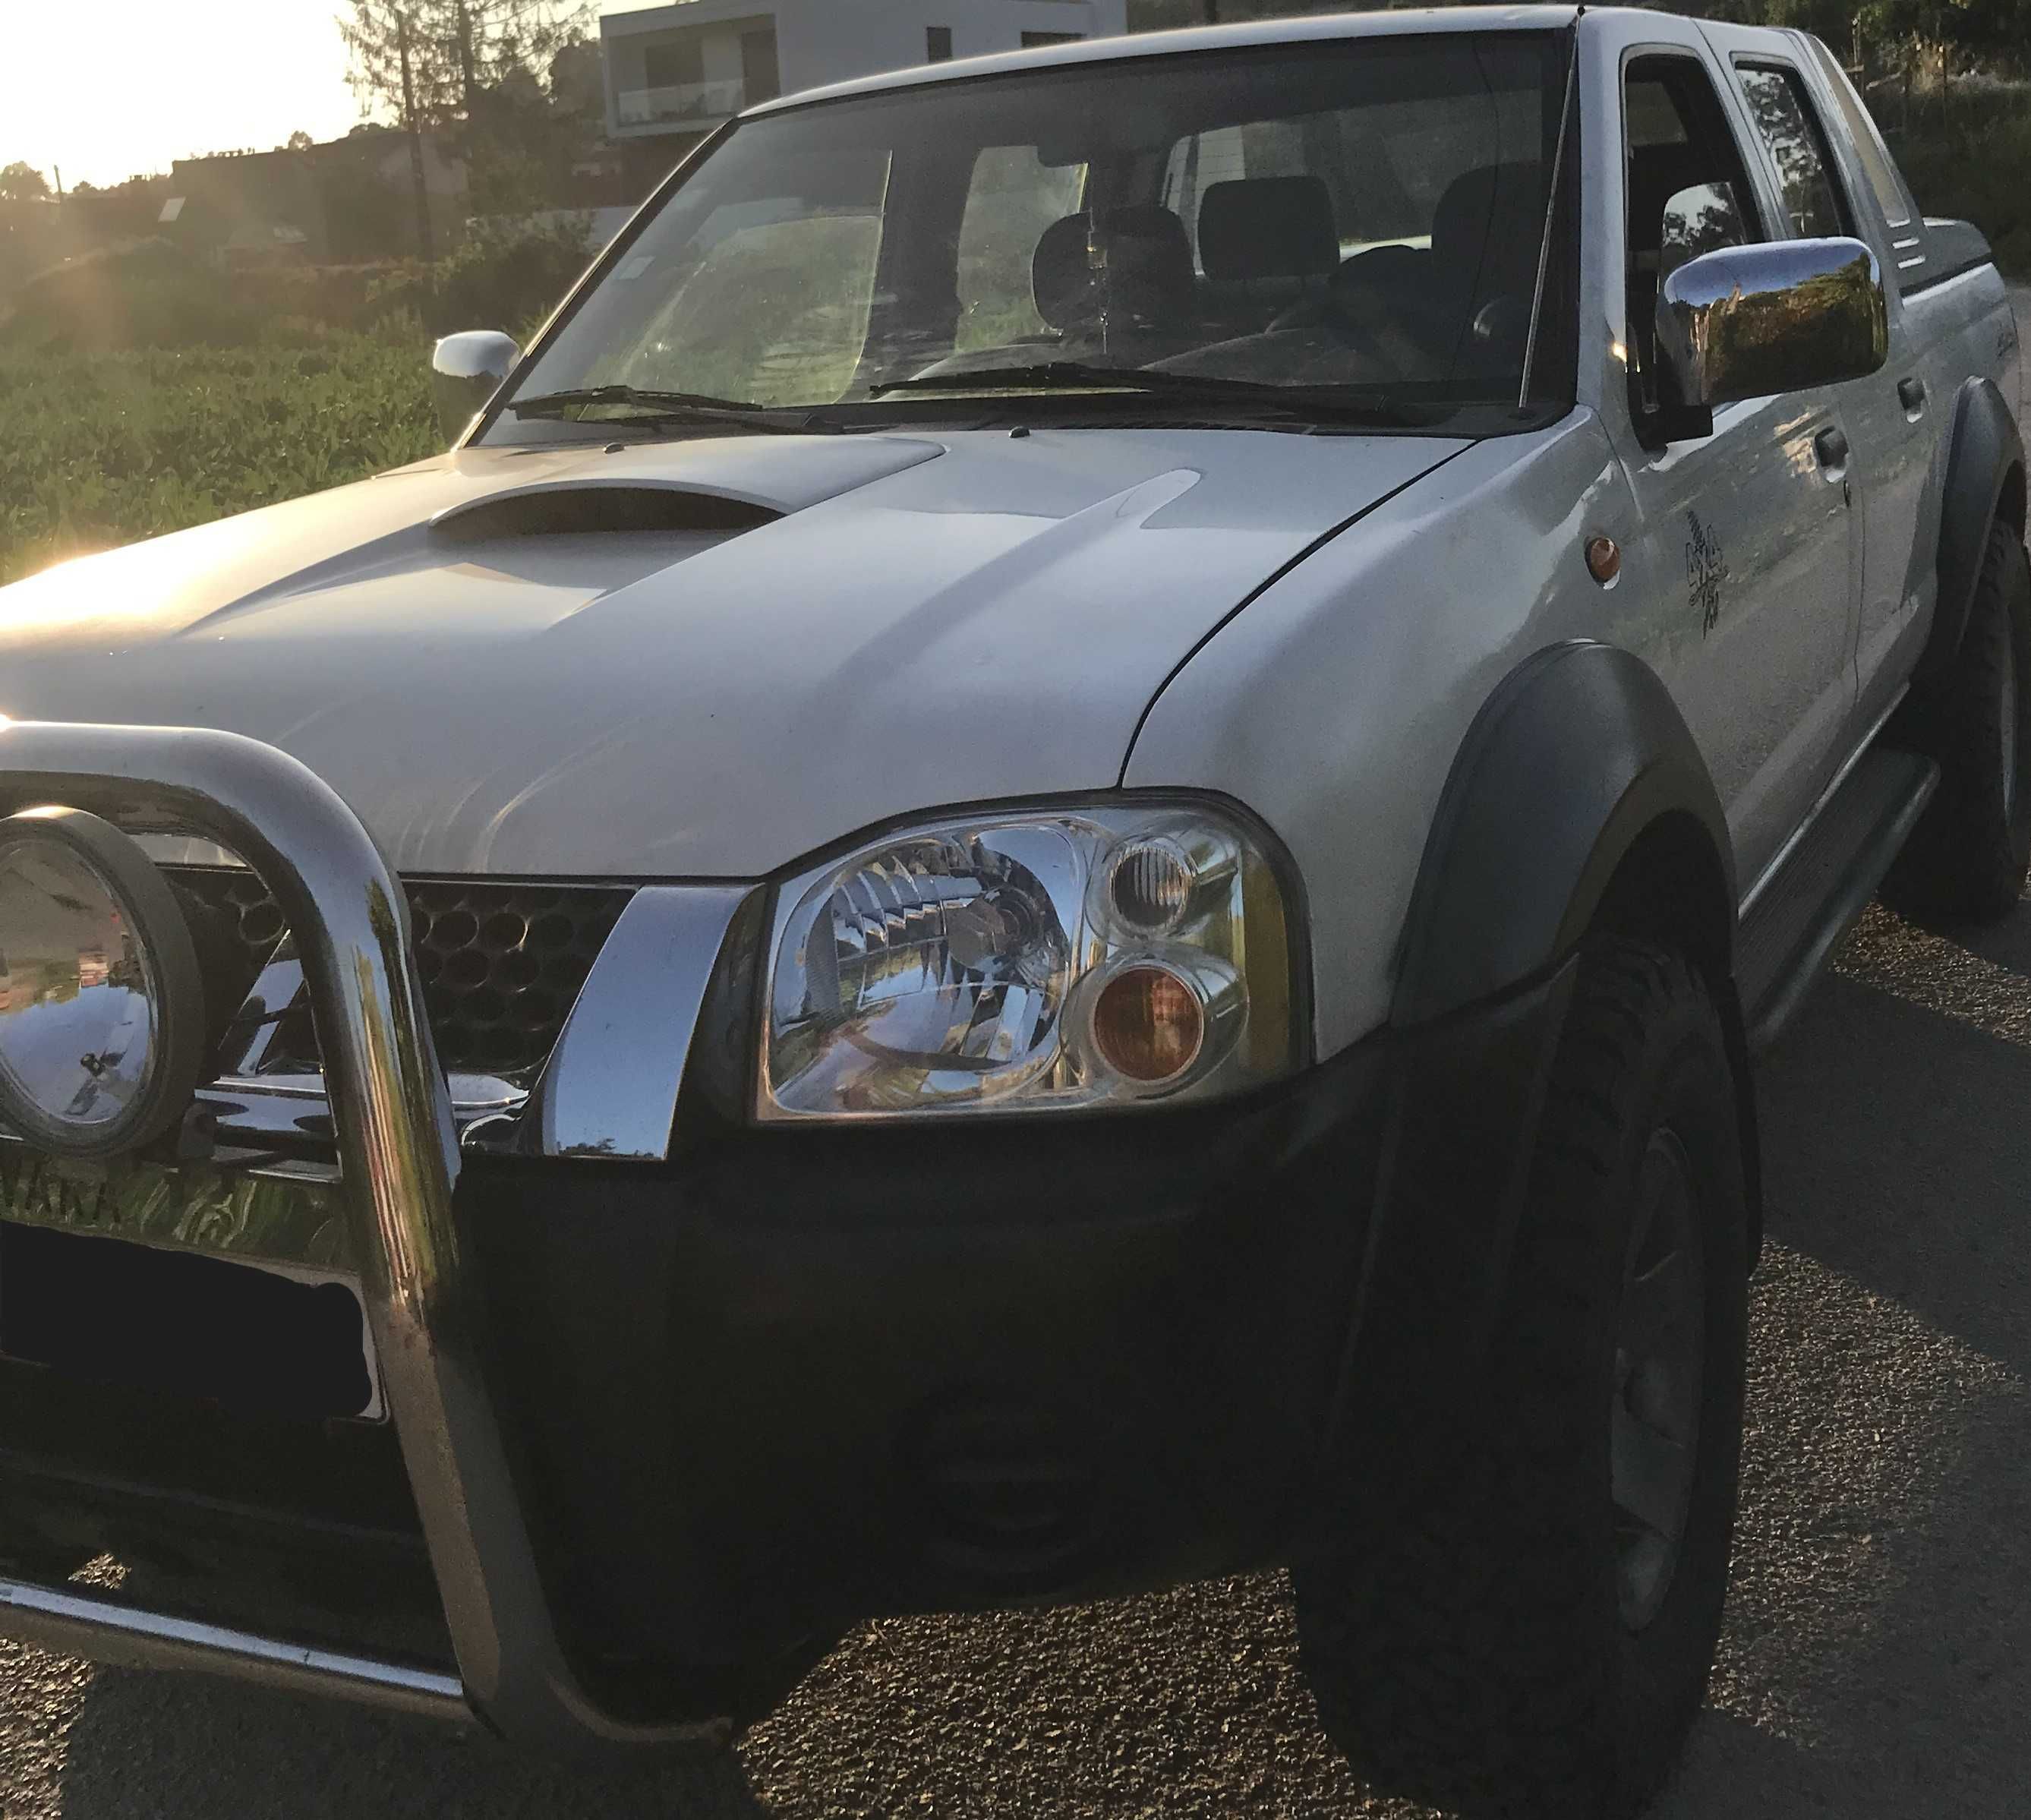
[106,89]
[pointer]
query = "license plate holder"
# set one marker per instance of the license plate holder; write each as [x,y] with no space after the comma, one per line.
[279,1339]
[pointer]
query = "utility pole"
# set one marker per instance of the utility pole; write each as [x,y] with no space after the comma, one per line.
[468,81]
[423,241]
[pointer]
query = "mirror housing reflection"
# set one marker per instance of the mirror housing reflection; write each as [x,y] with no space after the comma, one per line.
[466,371]
[1746,322]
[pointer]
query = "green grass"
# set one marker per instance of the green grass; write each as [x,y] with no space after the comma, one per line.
[98,450]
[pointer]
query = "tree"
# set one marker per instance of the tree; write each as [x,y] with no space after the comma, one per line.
[456,64]
[21,183]
[298,141]
[458,50]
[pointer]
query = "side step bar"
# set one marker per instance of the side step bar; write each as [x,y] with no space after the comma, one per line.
[77,1621]
[1799,915]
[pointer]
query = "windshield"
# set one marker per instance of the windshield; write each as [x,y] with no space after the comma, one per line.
[1364,217]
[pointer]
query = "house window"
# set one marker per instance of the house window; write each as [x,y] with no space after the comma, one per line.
[1032,39]
[938,44]
[760,72]
[674,64]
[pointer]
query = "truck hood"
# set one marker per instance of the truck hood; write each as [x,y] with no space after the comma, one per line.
[698,659]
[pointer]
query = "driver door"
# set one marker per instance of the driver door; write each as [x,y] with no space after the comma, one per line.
[1755,518]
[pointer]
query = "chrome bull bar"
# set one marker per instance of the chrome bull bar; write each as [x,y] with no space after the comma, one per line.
[399,1160]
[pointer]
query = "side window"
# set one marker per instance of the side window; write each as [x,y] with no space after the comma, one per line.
[1790,133]
[1013,198]
[1687,189]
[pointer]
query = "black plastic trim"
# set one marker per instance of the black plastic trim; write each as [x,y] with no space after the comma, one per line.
[1843,907]
[1986,446]
[1951,248]
[1576,752]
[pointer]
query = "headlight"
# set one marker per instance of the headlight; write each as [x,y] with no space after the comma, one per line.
[1030,961]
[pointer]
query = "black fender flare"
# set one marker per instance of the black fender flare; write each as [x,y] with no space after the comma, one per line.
[1576,752]
[1985,448]
[1577,755]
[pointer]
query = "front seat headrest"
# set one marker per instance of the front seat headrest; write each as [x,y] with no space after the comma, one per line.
[1269,227]
[1487,230]
[1134,264]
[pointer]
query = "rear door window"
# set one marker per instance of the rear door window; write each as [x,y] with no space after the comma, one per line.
[1792,135]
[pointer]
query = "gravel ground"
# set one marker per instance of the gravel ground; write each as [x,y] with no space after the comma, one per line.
[1877,1657]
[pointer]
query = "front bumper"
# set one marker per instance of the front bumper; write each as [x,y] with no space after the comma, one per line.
[668,1427]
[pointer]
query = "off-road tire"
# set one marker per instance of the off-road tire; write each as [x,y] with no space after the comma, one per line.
[1966,859]
[1465,1642]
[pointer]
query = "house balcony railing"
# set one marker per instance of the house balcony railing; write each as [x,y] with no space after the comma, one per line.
[681,104]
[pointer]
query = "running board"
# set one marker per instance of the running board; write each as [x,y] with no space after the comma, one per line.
[1800,914]
[75,1621]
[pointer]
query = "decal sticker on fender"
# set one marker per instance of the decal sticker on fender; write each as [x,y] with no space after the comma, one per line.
[1706,571]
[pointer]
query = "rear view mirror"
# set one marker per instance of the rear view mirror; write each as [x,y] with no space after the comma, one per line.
[1784,316]
[466,371]
[1701,219]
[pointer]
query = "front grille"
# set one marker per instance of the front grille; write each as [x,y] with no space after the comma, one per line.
[501,964]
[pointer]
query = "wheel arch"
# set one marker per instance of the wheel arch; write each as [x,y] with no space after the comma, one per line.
[1577,764]
[1984,481]
[1579,801]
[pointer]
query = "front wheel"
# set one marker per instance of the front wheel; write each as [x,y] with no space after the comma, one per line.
[1534,1639]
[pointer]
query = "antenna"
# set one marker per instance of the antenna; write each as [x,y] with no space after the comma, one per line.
[1551,214]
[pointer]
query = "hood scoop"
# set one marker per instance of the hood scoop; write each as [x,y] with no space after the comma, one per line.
[582,508]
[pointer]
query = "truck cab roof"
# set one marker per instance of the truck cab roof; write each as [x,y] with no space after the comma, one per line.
[1246,34]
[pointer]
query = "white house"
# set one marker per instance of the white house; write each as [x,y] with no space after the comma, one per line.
[683,68]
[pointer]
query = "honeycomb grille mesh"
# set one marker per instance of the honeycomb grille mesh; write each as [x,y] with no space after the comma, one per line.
[501,964]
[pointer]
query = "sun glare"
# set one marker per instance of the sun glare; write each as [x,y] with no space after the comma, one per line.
[158,83]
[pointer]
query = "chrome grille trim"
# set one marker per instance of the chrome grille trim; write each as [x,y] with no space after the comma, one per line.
[502,962]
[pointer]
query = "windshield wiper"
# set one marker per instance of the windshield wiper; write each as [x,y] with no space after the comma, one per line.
[650,407]
[1316,402]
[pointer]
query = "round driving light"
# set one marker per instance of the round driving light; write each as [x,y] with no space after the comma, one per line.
[101,1005]
[1150,885]
[1148,1024]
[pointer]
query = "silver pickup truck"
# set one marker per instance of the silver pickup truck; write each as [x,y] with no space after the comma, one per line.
[1048,863]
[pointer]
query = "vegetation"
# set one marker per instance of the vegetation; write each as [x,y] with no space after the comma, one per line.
[1967,159]
[499,277]
[21,183]
[476,68]
[155,295]
[102,448]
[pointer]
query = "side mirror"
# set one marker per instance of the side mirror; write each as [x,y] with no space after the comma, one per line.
[466,371]
[1783,316]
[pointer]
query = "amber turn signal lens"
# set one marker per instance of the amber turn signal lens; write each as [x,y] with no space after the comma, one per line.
[1148,1024]
[1604,559]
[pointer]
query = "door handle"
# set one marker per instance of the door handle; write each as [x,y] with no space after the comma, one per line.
[1911,394]
[1831,446]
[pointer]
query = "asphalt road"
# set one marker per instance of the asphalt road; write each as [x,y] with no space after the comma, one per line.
[1877,1657]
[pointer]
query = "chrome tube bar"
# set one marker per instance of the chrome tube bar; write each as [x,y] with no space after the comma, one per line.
[75,1621]
[398,1159]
